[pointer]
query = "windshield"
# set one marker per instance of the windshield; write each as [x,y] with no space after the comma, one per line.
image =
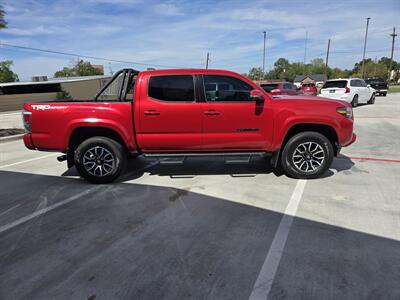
[335,84]
[269,87]
[308,85]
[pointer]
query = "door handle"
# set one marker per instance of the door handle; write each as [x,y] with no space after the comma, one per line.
[211,112]
[151,112]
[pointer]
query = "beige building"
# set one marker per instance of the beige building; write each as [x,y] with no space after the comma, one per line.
[14,94]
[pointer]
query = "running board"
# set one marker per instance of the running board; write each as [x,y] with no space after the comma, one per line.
[256,153]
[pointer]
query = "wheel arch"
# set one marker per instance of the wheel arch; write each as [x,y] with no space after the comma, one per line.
[79,134]
[326,130]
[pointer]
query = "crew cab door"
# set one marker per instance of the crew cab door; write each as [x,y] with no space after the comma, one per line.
[169,117]
[231,119]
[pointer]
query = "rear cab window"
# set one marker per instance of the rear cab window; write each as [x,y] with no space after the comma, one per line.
[335,84]
[173,88]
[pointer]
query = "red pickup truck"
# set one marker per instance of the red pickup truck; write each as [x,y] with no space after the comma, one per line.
[188,112]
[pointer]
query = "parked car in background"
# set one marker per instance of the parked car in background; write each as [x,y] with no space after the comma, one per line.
[309,89]
[353,90]
[281,88]
[379,84]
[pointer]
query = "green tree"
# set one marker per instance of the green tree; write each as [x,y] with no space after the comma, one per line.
[81,68]
[255,73]
[63,95]
[280,67]
[6,74]
[372,69]
[386,61]
[3,23]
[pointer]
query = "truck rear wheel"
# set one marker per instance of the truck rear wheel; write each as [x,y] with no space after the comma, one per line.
[307,155]
[100,159]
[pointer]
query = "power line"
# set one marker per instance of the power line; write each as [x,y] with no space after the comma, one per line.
[86,56]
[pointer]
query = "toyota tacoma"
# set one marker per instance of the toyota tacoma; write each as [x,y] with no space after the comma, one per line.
[186,112]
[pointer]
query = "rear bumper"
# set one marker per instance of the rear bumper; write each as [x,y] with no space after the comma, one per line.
[28,141]
[342,97]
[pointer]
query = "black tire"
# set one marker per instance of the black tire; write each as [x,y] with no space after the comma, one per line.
[290,160]
[372,99]
[384,94]
[354,102]
[100,159]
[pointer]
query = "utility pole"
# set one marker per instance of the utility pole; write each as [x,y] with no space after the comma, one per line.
[208,59]
[327,58]
[365,47]
[305,48]
[375,62]
[393,35]
[263,68]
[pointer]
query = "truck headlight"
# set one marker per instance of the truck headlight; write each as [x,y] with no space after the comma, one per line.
[345,111]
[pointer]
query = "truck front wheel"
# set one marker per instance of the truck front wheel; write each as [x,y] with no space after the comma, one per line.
[307,155]
[100,159]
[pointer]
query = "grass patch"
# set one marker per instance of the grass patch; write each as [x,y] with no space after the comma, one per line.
[394,89]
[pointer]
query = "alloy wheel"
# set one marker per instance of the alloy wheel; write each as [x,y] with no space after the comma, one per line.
[98,161]
[308,157]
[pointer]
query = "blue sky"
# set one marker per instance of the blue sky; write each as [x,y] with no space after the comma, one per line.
[180,33]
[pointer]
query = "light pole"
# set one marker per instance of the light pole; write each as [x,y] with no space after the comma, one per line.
[263,68]
[327,58]
[393,35]
[365,47]
[208,59]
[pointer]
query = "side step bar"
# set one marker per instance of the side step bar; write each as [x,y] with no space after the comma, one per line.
[256,153]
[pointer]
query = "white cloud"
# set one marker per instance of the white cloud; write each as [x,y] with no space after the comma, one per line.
[167,9]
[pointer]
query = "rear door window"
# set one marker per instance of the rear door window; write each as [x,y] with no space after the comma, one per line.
[173,88]
[269,87]
[335,84]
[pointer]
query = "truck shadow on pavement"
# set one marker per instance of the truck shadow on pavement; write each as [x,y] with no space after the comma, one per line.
[192,167]
[134,241]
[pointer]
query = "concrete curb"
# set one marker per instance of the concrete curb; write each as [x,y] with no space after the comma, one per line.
[11,138]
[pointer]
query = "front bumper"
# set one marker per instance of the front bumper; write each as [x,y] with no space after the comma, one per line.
[352,140]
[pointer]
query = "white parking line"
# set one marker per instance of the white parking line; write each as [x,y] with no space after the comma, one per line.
[28,160]
[265,278]
[44,210]
[10,209]
[11,113]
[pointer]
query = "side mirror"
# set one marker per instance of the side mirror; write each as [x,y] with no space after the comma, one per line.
[257,96]
[368,85]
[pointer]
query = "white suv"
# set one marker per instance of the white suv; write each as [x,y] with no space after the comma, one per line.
[353,90]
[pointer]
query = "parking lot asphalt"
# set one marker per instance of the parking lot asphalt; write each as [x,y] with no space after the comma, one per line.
[205,229]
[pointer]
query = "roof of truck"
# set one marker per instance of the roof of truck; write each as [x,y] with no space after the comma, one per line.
[185,71]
